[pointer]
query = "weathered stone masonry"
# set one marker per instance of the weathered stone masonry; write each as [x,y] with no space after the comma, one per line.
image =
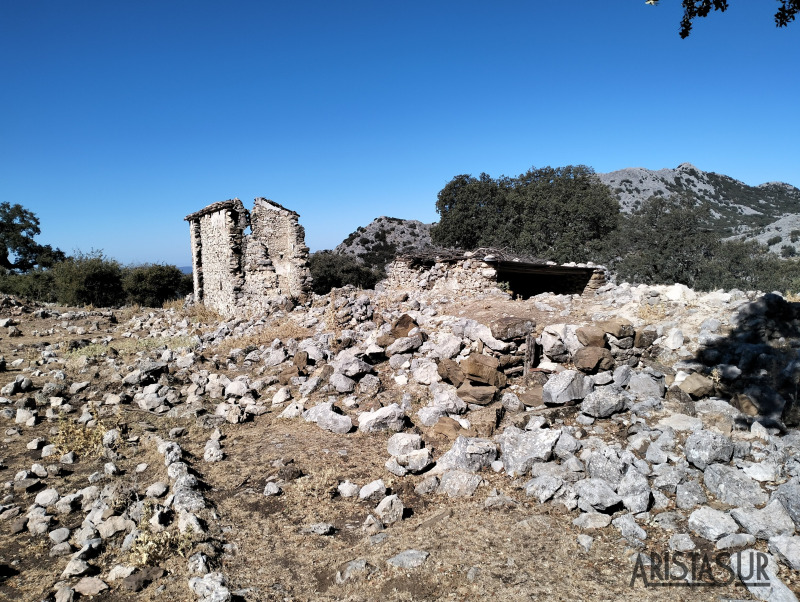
[470,274]
[251,273]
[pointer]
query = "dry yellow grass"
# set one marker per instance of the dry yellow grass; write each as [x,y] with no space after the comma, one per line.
[653,313]
[282,329]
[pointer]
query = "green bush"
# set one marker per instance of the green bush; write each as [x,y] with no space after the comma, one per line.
[36,285]
[88,279]
[330,270]
[554,213]
[774,241]
[668,241]
[153,284]
[94,279]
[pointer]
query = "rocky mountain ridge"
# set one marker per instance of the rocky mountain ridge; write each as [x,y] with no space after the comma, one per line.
[768,213]
[383,238]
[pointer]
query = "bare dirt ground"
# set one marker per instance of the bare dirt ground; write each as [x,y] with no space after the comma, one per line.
[528,552]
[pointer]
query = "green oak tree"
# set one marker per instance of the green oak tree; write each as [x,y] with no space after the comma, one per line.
[19,252]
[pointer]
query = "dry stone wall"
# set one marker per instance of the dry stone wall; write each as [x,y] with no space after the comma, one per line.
[472,275]
[467,276]
[237,273]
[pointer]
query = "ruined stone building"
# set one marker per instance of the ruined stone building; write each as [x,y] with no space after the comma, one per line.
[241,273]
[476,272]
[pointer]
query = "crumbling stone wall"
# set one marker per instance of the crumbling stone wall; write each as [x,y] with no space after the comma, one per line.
[238,273]
[469,276]
[472,275]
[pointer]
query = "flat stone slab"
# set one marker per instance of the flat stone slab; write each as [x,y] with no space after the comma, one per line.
[682,422]
[410,559]
[592,520]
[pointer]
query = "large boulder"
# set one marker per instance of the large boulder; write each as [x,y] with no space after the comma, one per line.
[697,385]
[477,394]
[596,495]
[712,524]
[593,359]
[520,449]
[770,521]
[733,487]
[511,327]
[707,447]
[604,401]
[591,336]
[469,454]
[566,387]
[390,418]
[617,327]
[483,369]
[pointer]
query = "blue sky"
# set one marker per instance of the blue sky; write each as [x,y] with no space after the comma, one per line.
[119,118]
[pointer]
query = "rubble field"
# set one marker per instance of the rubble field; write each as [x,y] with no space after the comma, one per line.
[385,445]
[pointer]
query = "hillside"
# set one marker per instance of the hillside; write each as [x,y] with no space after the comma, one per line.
[383,238]
[764,212]
[769,212]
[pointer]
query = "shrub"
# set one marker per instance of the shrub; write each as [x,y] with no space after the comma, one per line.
[36,285]
[774,241]
[788,251]
[330,270]
[88,279]
[554,213]
[153,284]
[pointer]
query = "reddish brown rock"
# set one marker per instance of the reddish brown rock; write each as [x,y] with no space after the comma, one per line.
[483,369]
[532,397]
[451,429]
[300,359]
[485,421]
[477,394]
[645,336]
[593,359]
[385,340]
[618,327]
[697,385]
[511,327]
[591,336]
[451,372]
[403,326]
[285,376]
[141,579]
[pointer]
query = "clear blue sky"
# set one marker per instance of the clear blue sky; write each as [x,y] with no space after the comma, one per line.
[119,118]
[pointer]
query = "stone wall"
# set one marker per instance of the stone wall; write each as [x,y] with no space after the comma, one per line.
[237,273]
[472,275]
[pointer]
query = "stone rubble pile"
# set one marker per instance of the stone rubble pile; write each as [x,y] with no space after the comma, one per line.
[663,410]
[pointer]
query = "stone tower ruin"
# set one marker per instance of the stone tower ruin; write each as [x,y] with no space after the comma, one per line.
[240,273]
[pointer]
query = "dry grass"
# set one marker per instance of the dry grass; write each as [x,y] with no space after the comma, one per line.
[196,313]
[152,547]
[283,329]
[653,313]
[85,441]
[131,346]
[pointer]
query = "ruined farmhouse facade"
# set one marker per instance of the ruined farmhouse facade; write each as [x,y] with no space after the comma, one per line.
[241,273]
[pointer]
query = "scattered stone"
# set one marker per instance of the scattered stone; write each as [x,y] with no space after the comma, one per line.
[770,521]
[410,559]
[706,447]
[90,586]
[712,524]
